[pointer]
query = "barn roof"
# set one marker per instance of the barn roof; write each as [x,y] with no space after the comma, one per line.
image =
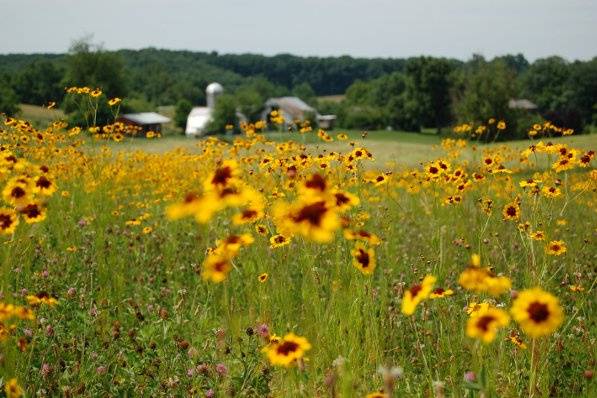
[146,118]
[521,103]
[292,105]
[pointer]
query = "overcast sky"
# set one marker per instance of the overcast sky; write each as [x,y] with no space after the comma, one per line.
[371,28]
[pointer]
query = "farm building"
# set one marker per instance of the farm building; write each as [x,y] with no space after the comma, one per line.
[200,116]
[521,103]
[145,121]
[295,109]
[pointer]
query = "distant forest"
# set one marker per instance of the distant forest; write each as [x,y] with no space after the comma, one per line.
[405,94]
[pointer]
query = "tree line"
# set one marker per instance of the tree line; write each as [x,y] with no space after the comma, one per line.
[408,94]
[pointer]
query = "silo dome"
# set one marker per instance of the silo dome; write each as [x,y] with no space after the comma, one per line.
[214,88]
[212,91]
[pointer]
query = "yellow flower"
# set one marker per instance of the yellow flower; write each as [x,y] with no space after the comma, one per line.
[440,293]
[511,211]
[217,266]
[363,259]
[18,191]
[317,220]
[233,243]
[41,298]
[517,341]
[95,93]
[377,394]
[286,351]
[484,323]
[8,221]
[262,278]
[363,235]
[482,280]
[12,389]
[473,307]
[278,241]
[248,215]
[555,248]
[44,185]
[114,101]
[416,294]
[538,312]
[33,212]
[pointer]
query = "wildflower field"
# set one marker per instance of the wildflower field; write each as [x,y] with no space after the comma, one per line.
[303,267]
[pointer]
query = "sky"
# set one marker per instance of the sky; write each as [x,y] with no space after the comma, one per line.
[360,28]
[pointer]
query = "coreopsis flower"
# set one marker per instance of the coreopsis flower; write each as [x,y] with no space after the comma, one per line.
[278,241]
[483,280]
[515,339]
[416,294]
[363,259]
[95,93]
[33,212]
[261,229]
[473,307]
[189,206]
[362,235]
[262,278]
[287,350]
[12,389]
[217,266]
[537,312]
[41,298]
[511,211]
[8,221]
[44,185]
[248,215]
[114,101]
[551,192]
[224,176]
[377,394]
[343,200]
[440,292]
[537,235]
[233,243]
[317,220]
[556,248]
[315,186]
[484,323]
[18,191]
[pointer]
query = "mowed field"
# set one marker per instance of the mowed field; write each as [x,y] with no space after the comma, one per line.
[394,265]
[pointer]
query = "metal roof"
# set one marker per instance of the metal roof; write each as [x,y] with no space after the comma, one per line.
[292,105]
[146,118]
[521,103]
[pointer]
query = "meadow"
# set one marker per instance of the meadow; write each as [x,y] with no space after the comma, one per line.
[304,265]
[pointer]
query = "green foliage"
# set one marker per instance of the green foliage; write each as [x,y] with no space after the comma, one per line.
[305,92]
[483,92]
[364,117]
[183,107]
[9,102]
[90,65]
[39,83]
[415,93]
[224,114]
[428,91]
[565,93]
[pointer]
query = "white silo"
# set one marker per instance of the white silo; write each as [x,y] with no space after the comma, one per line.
[212,92]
